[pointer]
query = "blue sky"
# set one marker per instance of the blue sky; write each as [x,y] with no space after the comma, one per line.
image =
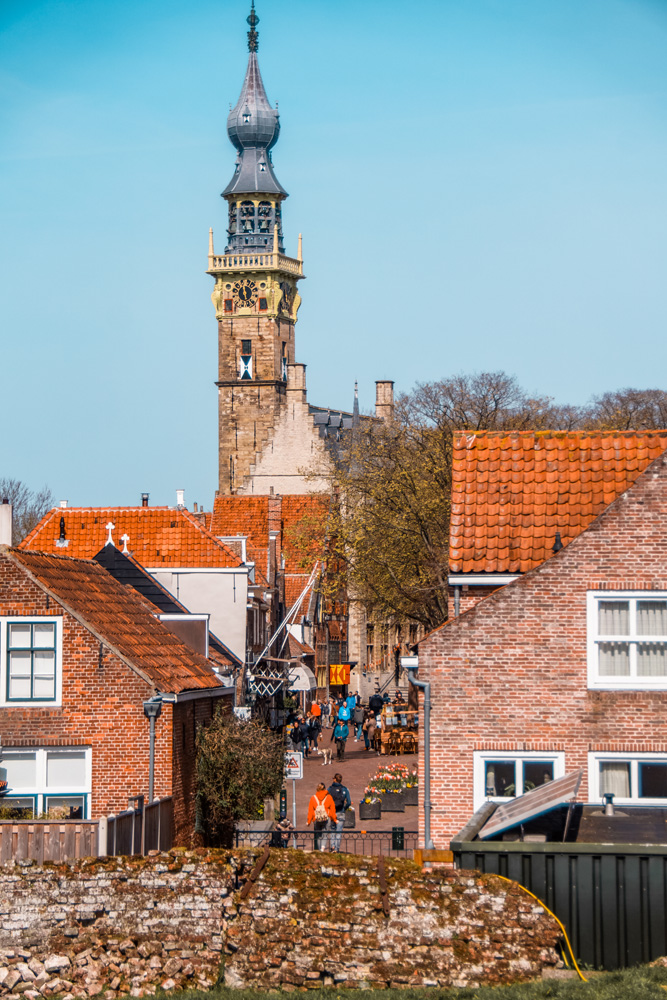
[480,184]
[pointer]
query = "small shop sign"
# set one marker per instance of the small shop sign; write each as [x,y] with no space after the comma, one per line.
[339,673]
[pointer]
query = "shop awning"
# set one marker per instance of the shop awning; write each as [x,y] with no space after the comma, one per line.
[301,678]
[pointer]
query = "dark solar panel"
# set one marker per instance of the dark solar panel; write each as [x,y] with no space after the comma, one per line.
[534,803]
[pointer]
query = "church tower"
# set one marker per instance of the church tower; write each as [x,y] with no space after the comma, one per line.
[255,296]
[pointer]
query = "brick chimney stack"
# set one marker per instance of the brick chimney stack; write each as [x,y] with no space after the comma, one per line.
[296,382]
[384,400]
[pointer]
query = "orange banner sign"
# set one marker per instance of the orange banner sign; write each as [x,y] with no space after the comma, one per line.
[339,673]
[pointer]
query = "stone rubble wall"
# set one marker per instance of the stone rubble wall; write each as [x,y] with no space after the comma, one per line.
[316,920]
[131,926]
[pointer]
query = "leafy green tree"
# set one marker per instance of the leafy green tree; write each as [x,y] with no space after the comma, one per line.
[239,764]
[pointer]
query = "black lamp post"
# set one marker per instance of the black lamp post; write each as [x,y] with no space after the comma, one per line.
[152,711]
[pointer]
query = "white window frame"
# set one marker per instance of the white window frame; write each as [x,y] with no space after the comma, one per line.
[631,682]
[595,758]
[39,792]
[5,622]
[483,757]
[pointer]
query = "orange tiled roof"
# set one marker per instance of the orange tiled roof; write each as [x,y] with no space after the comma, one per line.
[159,536]
[252,516]
[298,649]
[294,584]
[512,492]
[121,618]
[241,515]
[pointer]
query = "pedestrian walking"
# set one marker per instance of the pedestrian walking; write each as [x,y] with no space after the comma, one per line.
[342,801]
[314,730]
[322,813]
[343,711]
[375,703]
[304,735]
[370,725]
[358,719]
[340,734]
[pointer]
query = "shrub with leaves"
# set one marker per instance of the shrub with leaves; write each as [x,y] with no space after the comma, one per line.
[239,764]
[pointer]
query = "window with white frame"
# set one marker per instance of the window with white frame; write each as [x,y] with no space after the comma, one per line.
[501,775]
[631,777]
[627,640]
[47,781]
[30,660]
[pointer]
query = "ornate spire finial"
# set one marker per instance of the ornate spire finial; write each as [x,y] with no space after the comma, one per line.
[253,21]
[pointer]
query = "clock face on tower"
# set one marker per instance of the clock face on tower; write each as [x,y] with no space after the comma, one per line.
[245,292]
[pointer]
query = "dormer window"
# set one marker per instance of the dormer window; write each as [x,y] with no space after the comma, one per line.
[262,166]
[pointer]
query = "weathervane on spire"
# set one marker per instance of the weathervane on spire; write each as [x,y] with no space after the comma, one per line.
[253,21]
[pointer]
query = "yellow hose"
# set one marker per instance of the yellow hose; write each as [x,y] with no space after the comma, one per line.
[542,904]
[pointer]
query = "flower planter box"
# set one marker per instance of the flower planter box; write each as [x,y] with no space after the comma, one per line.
[411,795]
[350,819]
[393,802]
[370,810]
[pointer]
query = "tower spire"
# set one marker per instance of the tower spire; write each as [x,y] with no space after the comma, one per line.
[253,21]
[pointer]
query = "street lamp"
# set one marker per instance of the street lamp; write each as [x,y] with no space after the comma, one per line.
[152,710]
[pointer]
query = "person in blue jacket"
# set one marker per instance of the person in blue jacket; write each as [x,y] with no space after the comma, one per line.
[340,734]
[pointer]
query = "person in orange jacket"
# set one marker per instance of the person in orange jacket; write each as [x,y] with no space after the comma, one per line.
[321,811]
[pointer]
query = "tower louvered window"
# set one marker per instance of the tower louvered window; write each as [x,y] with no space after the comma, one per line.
[245,361]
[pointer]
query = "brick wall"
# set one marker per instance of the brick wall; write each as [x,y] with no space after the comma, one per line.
[468,598]
[511,674]
[125,925]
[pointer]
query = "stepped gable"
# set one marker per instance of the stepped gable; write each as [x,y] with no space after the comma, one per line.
[512,492]
[158,536]
[121,619]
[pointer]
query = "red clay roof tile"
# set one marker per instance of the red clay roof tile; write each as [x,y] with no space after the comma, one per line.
[121,618]
[158,536]
[543,482]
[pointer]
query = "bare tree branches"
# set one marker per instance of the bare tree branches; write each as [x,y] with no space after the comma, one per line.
[29,505]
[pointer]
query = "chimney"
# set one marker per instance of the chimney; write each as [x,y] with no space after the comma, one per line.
[273,557]
[384,400]
[180,499]
[296,383]
[144,499]
[5,522]
[63,504]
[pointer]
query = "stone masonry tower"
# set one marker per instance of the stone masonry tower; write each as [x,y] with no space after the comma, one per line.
[255,295]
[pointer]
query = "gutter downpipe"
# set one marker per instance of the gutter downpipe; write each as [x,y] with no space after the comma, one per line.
[426,688]
[457,601]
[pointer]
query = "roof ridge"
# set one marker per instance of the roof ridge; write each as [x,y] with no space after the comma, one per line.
[174,643]
[209,534]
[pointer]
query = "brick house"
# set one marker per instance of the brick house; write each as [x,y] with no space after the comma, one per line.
[564,667]
[80,653]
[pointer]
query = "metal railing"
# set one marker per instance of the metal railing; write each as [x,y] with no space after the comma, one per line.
[396,843]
